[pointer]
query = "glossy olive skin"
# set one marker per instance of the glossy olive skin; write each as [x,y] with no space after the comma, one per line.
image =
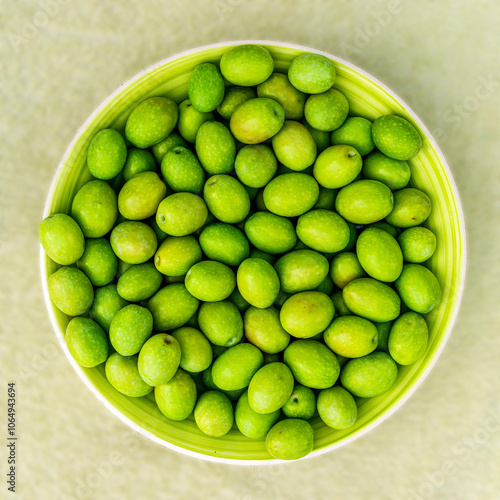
[255,165]
[71,291]
[301,404]
[344,268]
[290,439]
[226,198]
[215,148]
[419,288]
[151,121]
[301,270]
[364,202]
[312,364]
[258,227]
[337,408]
[312,73]
[130,328]
[323,230]
[371,299]
[138,160]
[196,351]
[95,208]
[257,120]
[247,65]
[379,254]
[395,174]
[122,373]
[233,97]
[210,281]
[258,282]
[172,306]
[140,196]
[369,376]
[396,137]
[351,336]
[133,242]
[221,323]
[224,243]
[87,342]
[206,87]
[177,398]
[160,149]
[177,254]
[98,261]
[279,88]
[337,166]
[326,111]
[107,302]
[291,195]
[340,307]
[356,132]
[107,154]
[417,244]
[294,146]
[250,423]
[159,359]
[236,366]
[263,329]
[214,414]
[408,338]
[181,214]
[270,388]
[62,239]
[306,314]
[182,170]
[411,208]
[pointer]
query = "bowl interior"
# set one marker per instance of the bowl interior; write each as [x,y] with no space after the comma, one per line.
[367,98]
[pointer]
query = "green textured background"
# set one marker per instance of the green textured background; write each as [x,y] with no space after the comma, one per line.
[444,442]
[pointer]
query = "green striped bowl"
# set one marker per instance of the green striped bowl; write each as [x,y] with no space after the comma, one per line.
[367,97]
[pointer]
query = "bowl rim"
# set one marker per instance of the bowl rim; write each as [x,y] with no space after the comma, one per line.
[380,418]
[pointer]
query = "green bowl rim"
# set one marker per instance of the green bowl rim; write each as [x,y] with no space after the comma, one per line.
[381,417]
